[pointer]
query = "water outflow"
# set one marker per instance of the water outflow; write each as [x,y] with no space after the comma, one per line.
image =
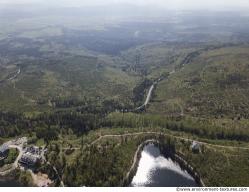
[154,170]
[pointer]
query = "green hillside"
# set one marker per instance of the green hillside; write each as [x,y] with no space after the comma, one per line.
[43,83]
[213,84]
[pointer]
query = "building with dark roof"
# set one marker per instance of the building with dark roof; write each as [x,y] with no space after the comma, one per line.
[28,159]
[31,156]
[33,150]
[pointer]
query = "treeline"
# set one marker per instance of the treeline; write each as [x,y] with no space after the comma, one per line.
[97,167]
[105,165]
[199,127]
[84,105]
[12,124]
[45,125]
[190,57]
[79,123]
[80,120]
[108,164]
[49,125]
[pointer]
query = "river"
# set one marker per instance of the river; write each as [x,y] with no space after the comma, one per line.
[154,170]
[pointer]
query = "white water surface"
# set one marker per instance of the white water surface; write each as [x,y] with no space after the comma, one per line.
[149,163]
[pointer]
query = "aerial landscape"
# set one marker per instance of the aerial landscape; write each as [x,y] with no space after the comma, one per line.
[124,93]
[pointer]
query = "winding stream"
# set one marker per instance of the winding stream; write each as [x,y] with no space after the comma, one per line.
[154,170]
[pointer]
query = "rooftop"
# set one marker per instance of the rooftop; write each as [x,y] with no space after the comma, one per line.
[4,148]
[28,159]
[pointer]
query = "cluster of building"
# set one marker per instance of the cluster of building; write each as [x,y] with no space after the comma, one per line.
[31,156]
[28,158]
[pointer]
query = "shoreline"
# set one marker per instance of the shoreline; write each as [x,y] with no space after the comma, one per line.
[176,158]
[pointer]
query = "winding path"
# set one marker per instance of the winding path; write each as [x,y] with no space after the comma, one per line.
[187,59]
[15,164]
[147,98]
[152,87]
[15,75]
[165,134]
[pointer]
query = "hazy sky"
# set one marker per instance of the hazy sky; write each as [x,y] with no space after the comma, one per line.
[171,4]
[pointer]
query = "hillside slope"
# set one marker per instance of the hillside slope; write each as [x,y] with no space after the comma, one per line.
[214,84]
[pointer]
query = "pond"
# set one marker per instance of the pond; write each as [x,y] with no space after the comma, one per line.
[155,170]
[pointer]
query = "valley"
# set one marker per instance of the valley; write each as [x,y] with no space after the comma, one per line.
[88,94]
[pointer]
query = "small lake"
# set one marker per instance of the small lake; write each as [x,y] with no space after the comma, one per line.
[154,170]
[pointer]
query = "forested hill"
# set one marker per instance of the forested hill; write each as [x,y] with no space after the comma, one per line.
[213,84]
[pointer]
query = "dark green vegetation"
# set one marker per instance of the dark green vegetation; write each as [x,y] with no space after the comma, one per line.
[205,128]
[24,178]
[11,157]
[214,84]
[68,82]
[108,161]
[107,166]
[63,86]
[220,167]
